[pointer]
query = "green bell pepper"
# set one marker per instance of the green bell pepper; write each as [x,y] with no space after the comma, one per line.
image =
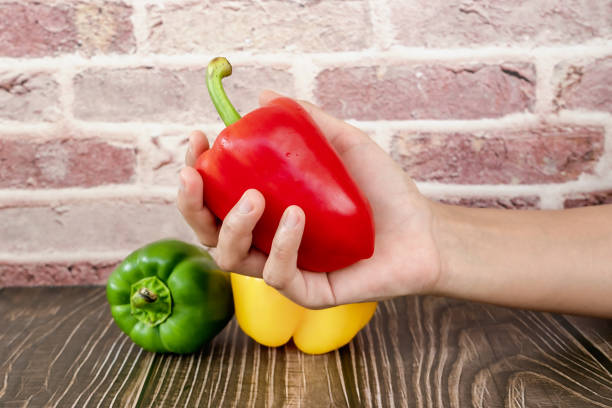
[170,296]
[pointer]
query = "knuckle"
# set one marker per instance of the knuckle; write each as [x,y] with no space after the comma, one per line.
[316,301]
[281,251]
[209,240]
[277,281]
[225,262]
[231,225]
[274,283]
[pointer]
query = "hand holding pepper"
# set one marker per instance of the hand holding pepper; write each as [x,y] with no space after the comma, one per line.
[528,259]
[398,266]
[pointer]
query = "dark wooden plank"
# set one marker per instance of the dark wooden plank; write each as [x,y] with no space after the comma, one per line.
[598,332]
[426,352]
[457,353]
[58,347]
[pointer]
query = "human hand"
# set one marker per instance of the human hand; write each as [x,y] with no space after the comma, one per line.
[405,259]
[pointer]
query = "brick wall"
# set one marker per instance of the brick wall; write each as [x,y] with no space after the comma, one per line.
[492,103]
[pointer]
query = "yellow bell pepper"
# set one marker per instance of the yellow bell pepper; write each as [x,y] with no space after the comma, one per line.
[271,319]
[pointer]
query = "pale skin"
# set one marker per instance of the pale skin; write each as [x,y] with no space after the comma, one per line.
[559,261]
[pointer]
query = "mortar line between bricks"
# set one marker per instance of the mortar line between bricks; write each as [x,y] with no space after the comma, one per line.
[383,29]
[514,121]
[27,128]
[66,97]
[140,144]
[509,121]
[599,48]
[605,164]
[383,138]
[126,192]
[518,121]
[151,193]
[139,24]
[304,73]
[62,257]
[442,190]
[107,128]
[544,90]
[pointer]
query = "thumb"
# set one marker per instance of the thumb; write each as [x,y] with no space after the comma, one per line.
[266,96]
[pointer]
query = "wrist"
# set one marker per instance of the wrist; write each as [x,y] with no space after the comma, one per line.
[448,240]
[424,254]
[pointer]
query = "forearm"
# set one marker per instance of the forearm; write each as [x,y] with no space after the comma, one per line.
[547,260]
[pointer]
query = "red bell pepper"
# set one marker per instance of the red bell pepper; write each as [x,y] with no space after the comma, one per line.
[280,151]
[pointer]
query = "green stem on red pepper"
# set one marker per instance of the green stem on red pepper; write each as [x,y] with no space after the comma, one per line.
[218,69]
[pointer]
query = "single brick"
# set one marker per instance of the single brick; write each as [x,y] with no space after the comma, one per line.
[64,163]
[460,23]
[104,28]
[547,154]
[29,29]
[52,274]
[244,25]
[586,86]
[427,91]
[29,97]
[513,203]
[33,29]
[586,199]
[163,95]
[89,225]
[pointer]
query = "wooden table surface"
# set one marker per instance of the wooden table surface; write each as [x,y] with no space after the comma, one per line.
[59,347]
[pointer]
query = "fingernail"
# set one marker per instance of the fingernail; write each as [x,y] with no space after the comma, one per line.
[291,219]
[245,206]
[181,183]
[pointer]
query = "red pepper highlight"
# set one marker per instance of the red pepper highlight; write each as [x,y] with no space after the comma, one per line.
[279,150]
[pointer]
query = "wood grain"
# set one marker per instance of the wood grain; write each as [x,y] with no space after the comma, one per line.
[60,348]
[597,332]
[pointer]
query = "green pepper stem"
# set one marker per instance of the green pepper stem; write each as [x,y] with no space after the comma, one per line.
[143,297]
[151,301]
[218,69]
